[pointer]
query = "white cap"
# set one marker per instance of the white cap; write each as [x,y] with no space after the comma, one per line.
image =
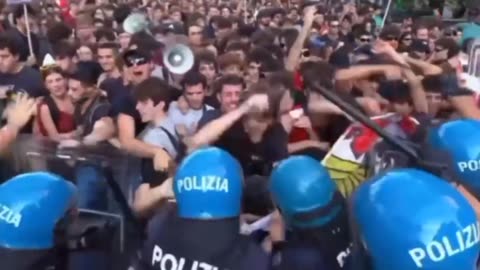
[48,60]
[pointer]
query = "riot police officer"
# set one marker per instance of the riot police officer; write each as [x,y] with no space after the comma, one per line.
[315,212]
[201,230]
[34,215]
[408,219]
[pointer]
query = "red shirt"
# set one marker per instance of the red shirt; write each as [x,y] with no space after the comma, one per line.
[65,122]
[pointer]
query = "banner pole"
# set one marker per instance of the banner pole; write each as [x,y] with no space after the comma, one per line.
[387,10]
[29,37]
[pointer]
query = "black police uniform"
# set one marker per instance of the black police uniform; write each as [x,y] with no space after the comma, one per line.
[174,243]
[326,247]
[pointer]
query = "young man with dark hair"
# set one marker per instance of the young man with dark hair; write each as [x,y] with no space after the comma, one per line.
[107,54]
[187,111]
[65,55]
[153,97]
[91,107]
[94,126]
[206,64]
[13,74]
[228,90]
[250,132]
[255,62]
[20,34]
[138,68]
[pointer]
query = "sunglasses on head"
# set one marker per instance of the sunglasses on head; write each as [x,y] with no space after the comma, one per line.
[135,61]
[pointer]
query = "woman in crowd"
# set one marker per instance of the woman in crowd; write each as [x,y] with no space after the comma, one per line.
[55,111]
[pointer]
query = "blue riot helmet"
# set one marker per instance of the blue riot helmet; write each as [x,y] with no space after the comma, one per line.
[32,205]
[208,185]
[460,138]
[304,192]
[409,219]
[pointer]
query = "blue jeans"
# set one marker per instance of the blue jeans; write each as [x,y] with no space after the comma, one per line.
[92,188]
[93,195]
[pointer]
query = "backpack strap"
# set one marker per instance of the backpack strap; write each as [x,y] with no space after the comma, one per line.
[53,108]
[99,102]
[173,140]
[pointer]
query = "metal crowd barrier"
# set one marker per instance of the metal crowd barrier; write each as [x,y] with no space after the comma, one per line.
[34,153]
[120,170]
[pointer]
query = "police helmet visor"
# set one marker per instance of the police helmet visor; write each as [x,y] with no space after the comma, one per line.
[329,210]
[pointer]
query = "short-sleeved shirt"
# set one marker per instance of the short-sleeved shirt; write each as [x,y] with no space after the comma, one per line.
[190,119]
[115,88]
[162,135]
[27,80]
[157,135]
[126,104]
[98,109]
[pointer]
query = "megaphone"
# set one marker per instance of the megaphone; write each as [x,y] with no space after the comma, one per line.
[135,23]
[178,59]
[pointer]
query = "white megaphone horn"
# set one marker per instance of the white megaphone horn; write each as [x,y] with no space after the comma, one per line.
[178,58]
[135,23]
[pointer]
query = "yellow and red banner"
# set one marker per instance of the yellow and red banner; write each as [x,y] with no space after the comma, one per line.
[346,159]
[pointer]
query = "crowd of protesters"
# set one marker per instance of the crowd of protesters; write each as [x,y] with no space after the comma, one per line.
[253,89]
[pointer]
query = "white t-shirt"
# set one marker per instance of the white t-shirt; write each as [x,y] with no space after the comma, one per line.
[189,119]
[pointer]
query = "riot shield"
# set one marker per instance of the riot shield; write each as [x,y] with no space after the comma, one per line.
[114,169]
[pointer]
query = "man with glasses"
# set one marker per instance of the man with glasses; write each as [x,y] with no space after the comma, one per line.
[138,68]
[361,37]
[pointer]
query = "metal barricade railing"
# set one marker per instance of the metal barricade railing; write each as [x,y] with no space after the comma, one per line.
[34,153]
[120,171]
